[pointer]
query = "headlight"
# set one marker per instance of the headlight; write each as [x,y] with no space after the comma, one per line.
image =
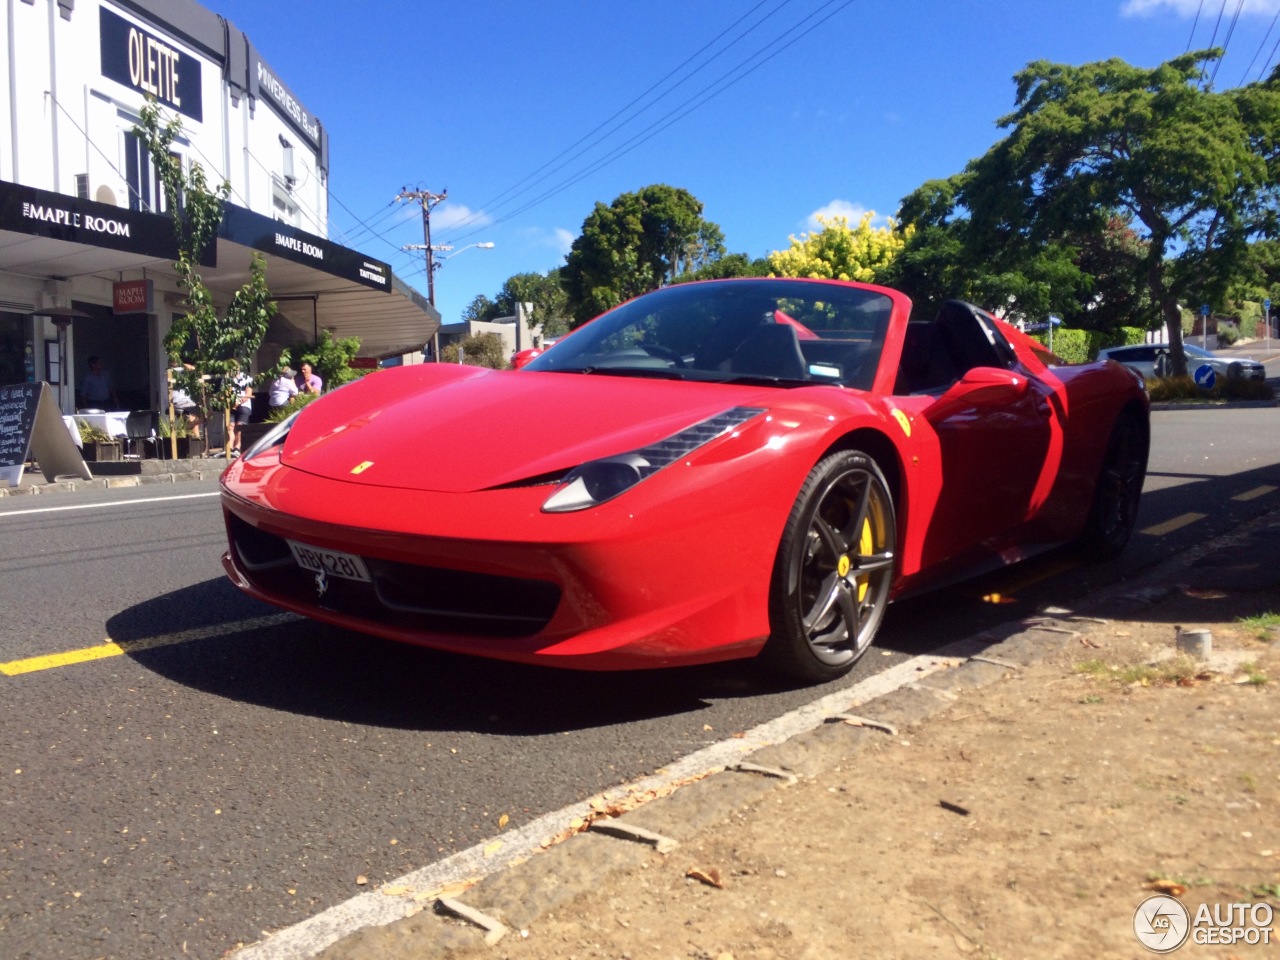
[272,437]
[601,480]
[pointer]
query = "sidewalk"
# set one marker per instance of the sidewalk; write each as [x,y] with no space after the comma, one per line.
[150,471]
[1023,803]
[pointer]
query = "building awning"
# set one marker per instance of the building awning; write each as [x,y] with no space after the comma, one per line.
[319,285]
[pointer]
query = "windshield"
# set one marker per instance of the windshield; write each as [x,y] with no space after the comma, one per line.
[776,331]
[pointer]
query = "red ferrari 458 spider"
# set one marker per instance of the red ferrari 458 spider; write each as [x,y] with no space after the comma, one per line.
[712,470]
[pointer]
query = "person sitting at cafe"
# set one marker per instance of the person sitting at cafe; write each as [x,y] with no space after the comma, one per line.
[309,382]
[282,389]
[97,391]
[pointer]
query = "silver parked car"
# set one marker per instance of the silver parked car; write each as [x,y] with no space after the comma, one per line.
[1152,360]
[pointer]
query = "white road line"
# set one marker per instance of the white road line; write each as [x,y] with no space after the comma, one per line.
[113,503]
[306,939]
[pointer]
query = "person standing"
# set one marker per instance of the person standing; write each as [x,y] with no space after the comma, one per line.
[97,391]
[242,415]
[309,382]
[282,389]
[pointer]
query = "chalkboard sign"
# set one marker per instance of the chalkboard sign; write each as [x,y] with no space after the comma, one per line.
[31,426]
[18,405]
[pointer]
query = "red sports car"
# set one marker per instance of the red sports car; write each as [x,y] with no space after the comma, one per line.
[712,470]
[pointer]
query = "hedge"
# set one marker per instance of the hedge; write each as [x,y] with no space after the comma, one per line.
[1081,346]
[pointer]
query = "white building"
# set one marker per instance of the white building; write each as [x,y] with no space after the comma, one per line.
[86,250]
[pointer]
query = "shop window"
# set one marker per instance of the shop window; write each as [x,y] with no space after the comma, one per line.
[284,208]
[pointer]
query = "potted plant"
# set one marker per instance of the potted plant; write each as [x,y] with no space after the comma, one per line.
[96,445]
[178,428]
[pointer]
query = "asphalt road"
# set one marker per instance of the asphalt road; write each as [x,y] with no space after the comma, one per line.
[223,769]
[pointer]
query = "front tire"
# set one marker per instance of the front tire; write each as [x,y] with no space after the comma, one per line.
[833,571]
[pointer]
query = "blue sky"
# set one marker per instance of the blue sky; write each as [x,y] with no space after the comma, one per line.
[529,113]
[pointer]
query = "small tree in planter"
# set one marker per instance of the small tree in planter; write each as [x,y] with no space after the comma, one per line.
[175,436]
[215,352]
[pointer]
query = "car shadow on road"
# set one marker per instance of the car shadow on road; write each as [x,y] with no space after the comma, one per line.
[210,638]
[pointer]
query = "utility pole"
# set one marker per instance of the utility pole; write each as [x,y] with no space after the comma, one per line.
[428,201]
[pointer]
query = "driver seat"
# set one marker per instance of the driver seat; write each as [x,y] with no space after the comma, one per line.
[770,350]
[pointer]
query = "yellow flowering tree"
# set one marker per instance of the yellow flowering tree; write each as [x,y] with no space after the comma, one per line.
[841,252]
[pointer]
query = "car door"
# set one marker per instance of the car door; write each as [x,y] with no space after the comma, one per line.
[994,433]
[994,427]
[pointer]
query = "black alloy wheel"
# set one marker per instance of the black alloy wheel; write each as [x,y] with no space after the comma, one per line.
[1115,500]
[833,570]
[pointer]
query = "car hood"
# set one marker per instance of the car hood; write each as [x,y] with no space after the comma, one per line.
[453,429]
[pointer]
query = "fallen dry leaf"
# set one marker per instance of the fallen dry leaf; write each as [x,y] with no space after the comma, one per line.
[1169,887]
[361,880]
[395,890]
[711,876]
[1203,593]
[503,821]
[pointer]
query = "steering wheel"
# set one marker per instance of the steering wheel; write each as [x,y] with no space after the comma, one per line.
[662,353]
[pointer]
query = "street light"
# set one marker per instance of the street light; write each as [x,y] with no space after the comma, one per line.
[434,263]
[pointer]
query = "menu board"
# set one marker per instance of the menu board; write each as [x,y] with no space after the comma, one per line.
[17,416]
[31,426]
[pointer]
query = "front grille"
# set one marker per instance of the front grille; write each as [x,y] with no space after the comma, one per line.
[432,599]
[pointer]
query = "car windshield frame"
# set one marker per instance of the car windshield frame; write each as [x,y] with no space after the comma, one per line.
[769,331]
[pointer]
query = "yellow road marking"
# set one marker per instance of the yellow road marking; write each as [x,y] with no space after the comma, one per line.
[111,648]
[1177,523]
[1255,493]
[51,660]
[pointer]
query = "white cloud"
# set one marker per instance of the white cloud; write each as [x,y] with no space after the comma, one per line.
[557,238]
[1190,8]
[448,215]
[853,212]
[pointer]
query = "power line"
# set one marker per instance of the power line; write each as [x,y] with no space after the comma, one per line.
[726,80]
[1194,24]
[1244,79]
[508,194]
[1226,42]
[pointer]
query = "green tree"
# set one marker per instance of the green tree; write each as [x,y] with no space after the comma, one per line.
[218,349]
[481,308]
[951,255]
[330,359]
[1113,258]
[840,252]
[636,244]
[1193,172]
[545,292]
[730,265]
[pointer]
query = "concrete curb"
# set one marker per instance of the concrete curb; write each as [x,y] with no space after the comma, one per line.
[154,472]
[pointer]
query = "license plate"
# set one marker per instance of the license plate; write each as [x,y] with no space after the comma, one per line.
[333,562]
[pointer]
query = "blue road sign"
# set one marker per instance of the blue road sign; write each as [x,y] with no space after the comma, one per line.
[1204,310]
[1205,376]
